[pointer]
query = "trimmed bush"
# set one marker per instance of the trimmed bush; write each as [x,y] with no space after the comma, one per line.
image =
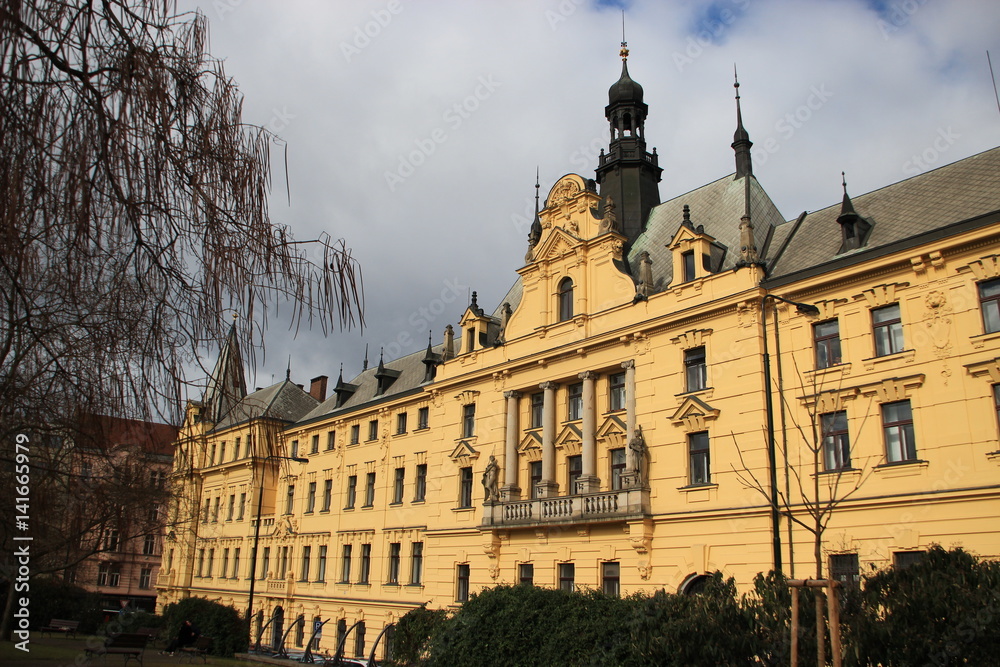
[223,624]
[54,598]
[413,635]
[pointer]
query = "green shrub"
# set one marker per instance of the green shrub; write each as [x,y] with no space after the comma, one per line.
[54,598]
[413,634]
[223,624]
[942,611]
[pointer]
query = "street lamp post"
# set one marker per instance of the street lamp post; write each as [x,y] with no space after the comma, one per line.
[256,531]
[804,309]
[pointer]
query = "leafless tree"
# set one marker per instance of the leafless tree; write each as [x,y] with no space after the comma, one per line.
[133,213]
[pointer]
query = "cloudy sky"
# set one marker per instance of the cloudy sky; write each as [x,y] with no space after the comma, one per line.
[414,128]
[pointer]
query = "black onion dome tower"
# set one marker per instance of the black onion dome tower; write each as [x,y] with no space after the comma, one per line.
[627,172]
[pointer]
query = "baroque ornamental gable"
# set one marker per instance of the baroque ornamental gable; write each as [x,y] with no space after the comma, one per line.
[558,243]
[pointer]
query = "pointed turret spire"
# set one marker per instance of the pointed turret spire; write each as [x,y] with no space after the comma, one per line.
[364,366]
[227,384]
[535,233]
[288,369]
[430,360]
[741,138]
[846,205]
[854,228]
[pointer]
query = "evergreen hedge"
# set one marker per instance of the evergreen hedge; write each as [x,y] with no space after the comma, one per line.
[223,624]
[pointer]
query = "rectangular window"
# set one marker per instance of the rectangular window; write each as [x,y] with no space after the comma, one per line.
[215,509]
[145,577]
[401,423]
[989,301]
[283,563]
[826,339]
[352,491]
[397,485]
[306,564]
[535,474]
[897,424]
[611,578]
[701,472]
[574,466]
[321,564]
[567,576]
[222,452]
[236,563]
[210,563]
[887,328]
[208,510]
[423,415]
[695,371]
[311,498]
[236,448]
[688,259]
[327,494]
[417,564]
[149,545]
[290,499]
[845,569]
[468,420]
[265,562]
[295,449]
[211,457]
[575,405]
[836,443]
[314,448]
[394,550]
[616,392]
[331,438]
[366,563]
[465,487]
[420,492]
[355,434]
[108,574]
[224,570]
[617,458]
[537,409]
[158,479]
[359,640]
[904,559]
[241,507]
[201,562]
[526,574]
[370,490]
[373,430]
[462,582]
[345,563]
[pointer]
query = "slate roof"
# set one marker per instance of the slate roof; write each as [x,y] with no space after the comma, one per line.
[949,194]
[285,401]
[718,207]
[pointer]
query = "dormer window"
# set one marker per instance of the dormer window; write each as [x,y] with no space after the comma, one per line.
[565,299]
[854,228]
[689,272]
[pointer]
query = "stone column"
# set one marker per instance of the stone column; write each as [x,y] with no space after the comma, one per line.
[632,476]
[589,482]
[510,489]
[548,487]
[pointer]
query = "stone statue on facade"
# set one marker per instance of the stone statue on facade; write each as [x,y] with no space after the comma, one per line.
[491,480]
[636,452]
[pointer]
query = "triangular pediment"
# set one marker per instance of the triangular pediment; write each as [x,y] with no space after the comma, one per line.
[612,431]
[463,453]
[531,446]
[570,439]
[685,233]
[558,242]
[694,413]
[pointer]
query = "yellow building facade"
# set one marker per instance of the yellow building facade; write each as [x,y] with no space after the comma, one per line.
[606,426]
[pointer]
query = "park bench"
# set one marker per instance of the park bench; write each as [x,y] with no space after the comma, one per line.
[128,644]
[199,649]
[61,625]
[152,633]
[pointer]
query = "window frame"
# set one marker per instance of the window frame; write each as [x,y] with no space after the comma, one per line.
[290,499]
[346,554]
[989,305]
[902,442]
[888,333]
[401,419]
[395,554]
[369,490]
[364,573]
[699,459]
[826,344]
[311,497]
[611,577]
[564,296]
[398,483]
[845,568]
[321,563]
[526,574]
[534,476]
[463,575]
[567,576]
[574,470]
[327,494]
[616,392]
[355,434]
[423,418]
[420,484]
[372,430]
[536,409]
[836,441]
[617,462]
[465,487]
[695,369]
[469,420]
[416,564]
[574,402]
[306,562]
[352,492]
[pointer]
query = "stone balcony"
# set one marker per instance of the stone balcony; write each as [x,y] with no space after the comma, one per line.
[585,508]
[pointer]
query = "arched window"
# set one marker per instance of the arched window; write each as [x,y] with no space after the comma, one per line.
[694,584]
[565,299]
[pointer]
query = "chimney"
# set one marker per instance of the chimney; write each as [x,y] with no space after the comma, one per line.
[317,388]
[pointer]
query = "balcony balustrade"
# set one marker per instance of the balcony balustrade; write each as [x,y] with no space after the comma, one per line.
[598,507]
